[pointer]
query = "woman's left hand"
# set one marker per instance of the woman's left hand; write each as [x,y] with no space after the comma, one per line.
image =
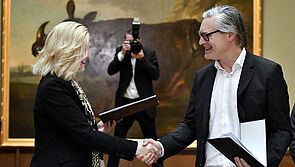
[106,127]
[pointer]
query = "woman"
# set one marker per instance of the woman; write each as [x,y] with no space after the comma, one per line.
[66,133]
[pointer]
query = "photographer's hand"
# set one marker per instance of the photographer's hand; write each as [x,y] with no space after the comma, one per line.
[140,55]
[125,47]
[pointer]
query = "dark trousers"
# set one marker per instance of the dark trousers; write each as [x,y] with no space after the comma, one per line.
[147,125]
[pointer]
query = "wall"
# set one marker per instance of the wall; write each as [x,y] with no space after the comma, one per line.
[278,38]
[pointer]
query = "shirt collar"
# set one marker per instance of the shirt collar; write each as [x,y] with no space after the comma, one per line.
[238,63]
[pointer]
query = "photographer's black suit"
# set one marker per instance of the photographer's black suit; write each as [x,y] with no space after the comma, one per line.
[146,70]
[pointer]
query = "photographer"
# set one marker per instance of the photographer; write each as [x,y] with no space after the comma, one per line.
[138,66]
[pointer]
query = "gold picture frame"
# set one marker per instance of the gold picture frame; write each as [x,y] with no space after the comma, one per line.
[6,141]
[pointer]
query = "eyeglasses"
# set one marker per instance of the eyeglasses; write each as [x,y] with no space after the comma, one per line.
[205,36]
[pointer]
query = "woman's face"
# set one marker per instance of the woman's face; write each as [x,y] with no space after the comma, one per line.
[83,62]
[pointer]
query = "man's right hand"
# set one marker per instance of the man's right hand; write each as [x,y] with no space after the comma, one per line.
[156,151]
[125,47]
[147,152]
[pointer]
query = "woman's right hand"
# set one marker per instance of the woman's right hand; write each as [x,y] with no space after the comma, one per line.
[106,127]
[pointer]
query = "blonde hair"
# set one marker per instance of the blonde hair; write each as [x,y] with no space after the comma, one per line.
[65,47]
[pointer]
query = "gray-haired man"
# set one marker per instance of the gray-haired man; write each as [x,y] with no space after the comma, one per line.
[237,87]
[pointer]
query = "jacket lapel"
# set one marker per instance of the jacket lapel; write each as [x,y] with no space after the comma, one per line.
[246,74]
[207,93]
[245,79]
[136,67]
[137,63]
[128,63]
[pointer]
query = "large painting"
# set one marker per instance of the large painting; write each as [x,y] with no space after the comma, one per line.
[167,26]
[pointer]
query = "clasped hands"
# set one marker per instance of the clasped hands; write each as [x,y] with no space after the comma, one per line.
[148,151]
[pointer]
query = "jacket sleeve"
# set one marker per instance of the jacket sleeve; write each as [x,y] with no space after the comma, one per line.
[292,145]
[149,64]
[115,64]
[67,115]
[278,115]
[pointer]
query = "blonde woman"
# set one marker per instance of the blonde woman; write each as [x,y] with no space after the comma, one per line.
[66,134]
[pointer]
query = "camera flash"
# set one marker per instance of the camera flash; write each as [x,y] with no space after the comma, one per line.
[136,20]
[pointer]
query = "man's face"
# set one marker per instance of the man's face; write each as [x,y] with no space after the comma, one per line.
[216,44]
[128,37]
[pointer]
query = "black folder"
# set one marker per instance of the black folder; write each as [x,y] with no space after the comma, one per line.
[128,109]
[231,149]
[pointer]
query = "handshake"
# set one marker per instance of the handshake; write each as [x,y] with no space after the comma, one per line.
[148,151]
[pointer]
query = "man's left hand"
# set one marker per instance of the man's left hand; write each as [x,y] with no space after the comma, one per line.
[140,55]
[240,162]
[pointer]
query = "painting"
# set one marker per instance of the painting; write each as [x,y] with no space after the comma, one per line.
[168,26]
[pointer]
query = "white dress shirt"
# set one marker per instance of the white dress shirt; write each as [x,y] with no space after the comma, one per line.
[223,110]
[131,91]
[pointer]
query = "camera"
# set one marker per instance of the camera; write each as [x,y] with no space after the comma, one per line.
[135,44]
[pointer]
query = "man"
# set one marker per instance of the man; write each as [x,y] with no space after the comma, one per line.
[292,145]
[237,87]
[137,71]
